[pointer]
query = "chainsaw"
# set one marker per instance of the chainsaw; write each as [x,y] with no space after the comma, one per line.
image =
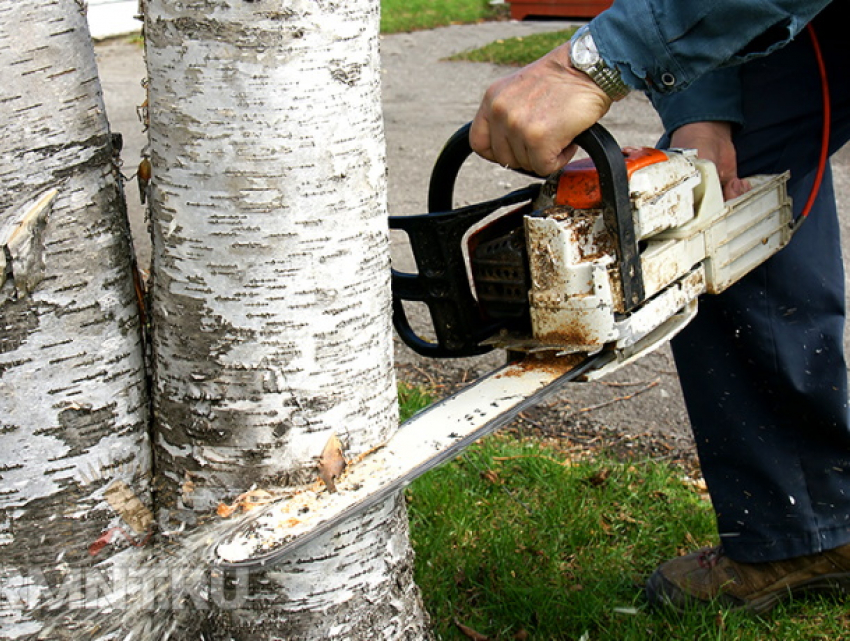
[573,276]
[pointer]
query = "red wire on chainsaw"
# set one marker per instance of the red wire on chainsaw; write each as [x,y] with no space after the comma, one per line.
[827,117]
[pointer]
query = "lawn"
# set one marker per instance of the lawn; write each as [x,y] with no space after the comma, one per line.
[516,51]
[522,539]
[412,15]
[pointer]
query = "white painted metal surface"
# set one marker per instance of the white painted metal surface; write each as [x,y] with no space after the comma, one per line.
[110,18]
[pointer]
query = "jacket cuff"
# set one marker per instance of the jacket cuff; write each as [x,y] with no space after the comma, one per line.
[665,45]
[715,96]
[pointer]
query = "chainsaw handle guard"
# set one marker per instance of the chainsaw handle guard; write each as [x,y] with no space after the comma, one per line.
[441,187]
[616,208]
[442,282]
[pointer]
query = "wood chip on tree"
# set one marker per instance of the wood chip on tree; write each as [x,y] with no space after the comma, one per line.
[332,463]
[123,500]
[245,502]
[21,245]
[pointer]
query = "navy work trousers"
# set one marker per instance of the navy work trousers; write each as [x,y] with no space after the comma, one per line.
[762,365]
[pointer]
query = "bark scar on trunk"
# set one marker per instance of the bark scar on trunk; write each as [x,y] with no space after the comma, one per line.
[21,262]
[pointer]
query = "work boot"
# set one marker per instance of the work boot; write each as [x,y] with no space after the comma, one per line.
[709,577]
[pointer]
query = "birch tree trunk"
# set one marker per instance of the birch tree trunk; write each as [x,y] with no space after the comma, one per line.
[271,293]
[74,452]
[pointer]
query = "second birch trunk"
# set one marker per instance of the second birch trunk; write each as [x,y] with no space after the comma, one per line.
[271,293]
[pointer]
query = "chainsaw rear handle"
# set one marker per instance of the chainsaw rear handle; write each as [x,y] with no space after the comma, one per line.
[436,240]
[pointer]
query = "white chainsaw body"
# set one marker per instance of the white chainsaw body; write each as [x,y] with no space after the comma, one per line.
[691,243]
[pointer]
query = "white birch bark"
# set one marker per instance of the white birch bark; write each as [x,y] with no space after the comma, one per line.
[271,292]
[73,409]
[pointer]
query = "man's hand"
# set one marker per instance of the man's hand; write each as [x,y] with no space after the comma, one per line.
[713,141]
[528,119]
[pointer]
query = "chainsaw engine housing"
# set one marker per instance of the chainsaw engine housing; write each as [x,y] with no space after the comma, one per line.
[611,252]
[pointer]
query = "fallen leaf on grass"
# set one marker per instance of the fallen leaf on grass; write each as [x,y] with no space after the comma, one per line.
[600,478]
[719,621]
[491,476]
[470,633]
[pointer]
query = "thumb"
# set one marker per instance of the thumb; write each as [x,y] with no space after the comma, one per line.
[735,187]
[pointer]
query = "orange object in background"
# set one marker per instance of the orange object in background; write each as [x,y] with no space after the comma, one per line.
[521,9]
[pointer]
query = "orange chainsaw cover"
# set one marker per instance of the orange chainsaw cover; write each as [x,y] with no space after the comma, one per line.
[578,184]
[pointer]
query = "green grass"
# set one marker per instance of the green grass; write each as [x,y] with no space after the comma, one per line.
[411,399]
[515,536]
[412,15]
[516,51]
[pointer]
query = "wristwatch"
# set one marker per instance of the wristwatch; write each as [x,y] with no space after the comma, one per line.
[585,57]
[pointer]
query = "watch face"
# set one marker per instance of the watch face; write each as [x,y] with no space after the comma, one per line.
[584,52]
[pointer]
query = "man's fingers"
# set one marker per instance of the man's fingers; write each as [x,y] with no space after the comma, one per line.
[713,141]
[479,138]
[528,119]
[566,155]
[492,144]
[736,187]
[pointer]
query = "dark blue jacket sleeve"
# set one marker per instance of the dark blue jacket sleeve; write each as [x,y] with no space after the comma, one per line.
[665,45]
[714,96]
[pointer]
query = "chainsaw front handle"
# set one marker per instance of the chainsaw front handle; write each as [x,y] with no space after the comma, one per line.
[610,165]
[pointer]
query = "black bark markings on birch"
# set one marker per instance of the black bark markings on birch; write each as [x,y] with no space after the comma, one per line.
[95,151]
[81,427]
[196,418]
[348,73]
[19,319]
[53,525]
[184,28]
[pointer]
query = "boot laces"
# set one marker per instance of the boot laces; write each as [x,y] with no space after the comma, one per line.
[710,557]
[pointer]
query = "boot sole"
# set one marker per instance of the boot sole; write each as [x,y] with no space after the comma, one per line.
[831,584]
[663,593]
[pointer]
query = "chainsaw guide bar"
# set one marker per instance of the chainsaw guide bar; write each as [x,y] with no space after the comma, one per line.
[431,437]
